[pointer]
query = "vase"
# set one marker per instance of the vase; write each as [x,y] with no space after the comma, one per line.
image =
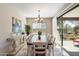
[39,37]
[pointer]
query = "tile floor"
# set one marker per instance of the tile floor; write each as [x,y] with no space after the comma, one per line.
[57,51]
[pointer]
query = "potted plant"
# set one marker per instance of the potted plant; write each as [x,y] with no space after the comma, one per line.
[22,33]
[27,29]
[39,34]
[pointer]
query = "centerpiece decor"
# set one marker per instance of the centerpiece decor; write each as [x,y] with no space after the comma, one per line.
[39,35]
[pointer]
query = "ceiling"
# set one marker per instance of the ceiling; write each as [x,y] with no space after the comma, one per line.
[46,9]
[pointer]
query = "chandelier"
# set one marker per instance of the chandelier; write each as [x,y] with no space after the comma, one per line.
[39,22]
[39,19]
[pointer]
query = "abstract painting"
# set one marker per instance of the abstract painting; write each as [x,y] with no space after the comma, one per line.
[16,25]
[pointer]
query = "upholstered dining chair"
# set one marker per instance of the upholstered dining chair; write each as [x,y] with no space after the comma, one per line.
[51,46]
[29,44]
[40,48]
[51,41]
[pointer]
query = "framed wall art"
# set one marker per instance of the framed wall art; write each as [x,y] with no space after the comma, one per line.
[16,25]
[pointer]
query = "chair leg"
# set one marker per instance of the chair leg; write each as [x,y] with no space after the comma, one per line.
[53,50]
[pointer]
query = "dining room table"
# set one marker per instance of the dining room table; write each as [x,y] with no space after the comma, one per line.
[44,39]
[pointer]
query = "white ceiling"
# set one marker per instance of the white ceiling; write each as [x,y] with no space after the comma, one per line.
[46,9]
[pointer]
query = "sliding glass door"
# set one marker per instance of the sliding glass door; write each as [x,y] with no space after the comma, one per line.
[60,29]
[71,35]
[69,32]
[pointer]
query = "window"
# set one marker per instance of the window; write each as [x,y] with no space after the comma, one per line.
[39,26]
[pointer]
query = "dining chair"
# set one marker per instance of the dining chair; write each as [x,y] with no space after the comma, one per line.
[29,45]
[51,41]
[53,45]
[40,48]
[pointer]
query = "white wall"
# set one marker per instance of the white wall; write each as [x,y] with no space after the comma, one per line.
[55,32]
[6,14]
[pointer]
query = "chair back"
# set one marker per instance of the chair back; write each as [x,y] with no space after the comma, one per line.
[39,48]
